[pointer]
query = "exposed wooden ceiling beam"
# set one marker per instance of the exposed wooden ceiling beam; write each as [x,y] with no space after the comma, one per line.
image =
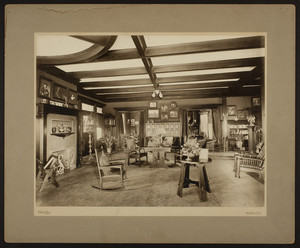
[149,98]
[230,75]
[109,72]
[141,46]
[130,53]
[117,83]
[195,47]
[132,98]
[169,93]
[258,61]
[207,46]
[167,88]
[166,80]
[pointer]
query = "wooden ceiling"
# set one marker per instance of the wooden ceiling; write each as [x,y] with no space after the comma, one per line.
[216,77]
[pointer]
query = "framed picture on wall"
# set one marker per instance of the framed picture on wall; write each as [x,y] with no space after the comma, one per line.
[153,113]
[152,104]
[256,101]
[72,97]
[174,114]
[231,110]
[164,108]
[242,114]
[45,89]
[60,92]
[164,116]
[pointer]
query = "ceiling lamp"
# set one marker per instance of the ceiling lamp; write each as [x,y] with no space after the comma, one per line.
[157,92]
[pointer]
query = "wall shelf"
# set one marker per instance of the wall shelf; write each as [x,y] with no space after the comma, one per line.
[61,134]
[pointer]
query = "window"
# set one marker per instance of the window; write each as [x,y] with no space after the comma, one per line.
[87,107]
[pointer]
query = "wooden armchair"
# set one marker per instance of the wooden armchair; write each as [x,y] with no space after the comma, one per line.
[104,172]
[135,152]
[249,162]
[210,145]
[175,144]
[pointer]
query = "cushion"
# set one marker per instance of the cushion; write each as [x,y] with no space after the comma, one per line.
[130,144]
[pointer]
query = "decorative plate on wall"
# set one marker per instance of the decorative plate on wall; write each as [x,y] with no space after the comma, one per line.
[173,105]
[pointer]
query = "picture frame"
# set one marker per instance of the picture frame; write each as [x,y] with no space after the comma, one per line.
[164,116]
[153,114]
[256,101]
[231,110]
[242,114]
[164,108]
[60,92]
[45,87]
[72,97]
[153,104]
[173,114]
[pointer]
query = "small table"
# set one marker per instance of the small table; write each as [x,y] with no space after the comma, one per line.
[158,152]
[185,181]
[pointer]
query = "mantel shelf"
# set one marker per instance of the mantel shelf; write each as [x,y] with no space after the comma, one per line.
[62,134]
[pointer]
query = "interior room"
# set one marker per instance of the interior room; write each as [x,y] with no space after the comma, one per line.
[150,120]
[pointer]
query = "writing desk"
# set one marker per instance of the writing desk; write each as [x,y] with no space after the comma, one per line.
[185,181]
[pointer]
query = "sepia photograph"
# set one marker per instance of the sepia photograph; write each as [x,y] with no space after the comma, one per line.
[212,162]
[149,123]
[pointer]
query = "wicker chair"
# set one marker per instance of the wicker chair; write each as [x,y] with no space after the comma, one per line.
[248,162]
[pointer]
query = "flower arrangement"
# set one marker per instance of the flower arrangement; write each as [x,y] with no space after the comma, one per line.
[191,150]
[106,142]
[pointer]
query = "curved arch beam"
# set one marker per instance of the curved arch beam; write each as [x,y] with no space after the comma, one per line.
[86,55]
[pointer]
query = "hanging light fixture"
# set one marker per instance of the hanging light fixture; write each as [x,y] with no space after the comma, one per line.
[157,92]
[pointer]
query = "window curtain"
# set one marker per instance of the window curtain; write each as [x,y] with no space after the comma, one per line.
[184,122]
[217,125]
[119,124]
[142,128]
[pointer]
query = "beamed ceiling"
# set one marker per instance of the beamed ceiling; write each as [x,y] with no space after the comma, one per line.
[128,68]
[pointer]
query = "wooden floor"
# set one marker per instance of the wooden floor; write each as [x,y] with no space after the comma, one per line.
[152,186]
